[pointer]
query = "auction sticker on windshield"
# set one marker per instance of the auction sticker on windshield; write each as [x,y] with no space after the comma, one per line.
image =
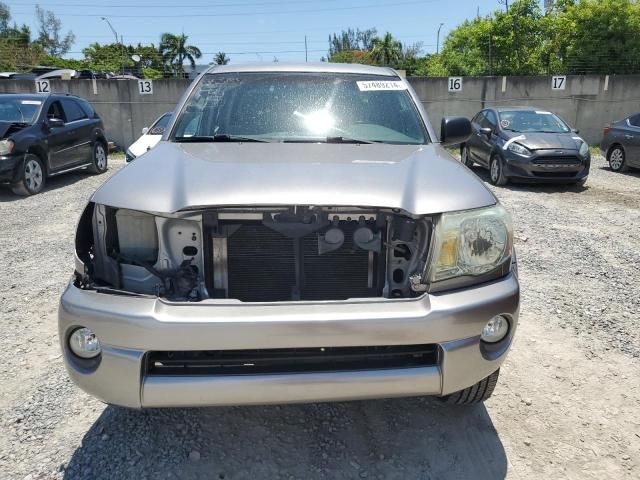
[370,85]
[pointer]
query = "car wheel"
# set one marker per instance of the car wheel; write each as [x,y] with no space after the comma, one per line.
[617,159]
[477,393]
[465,156]
[33,177]
[99,164]
[496,174]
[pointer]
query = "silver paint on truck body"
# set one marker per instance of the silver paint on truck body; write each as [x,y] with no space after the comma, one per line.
[419,179]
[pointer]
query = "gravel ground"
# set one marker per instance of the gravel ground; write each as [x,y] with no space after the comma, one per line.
[567,404]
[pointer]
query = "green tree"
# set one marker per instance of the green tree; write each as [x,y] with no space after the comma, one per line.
[351,56]
[386,50]
[108,57]
[594,36]
[50,33]
[350,40]
[221,58]
[17,52]
[175,51]
[113,56]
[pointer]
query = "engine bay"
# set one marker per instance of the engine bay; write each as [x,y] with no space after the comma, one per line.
[274,254]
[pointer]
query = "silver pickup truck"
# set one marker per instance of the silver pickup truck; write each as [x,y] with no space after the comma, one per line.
[300,234]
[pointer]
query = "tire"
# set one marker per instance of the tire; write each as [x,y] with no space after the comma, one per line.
[496,173]
[99,160]
[464,155]
[617,159]
[477,393]
[33,177]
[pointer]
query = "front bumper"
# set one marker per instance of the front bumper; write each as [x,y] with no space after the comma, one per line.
[130,327]
[11,167]
[546,166]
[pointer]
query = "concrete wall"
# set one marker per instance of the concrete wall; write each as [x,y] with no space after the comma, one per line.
[124,111]
[587,103]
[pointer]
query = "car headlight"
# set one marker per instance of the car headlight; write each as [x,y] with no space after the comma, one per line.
[584,149]
[519,149]
[6,147]
[471,244]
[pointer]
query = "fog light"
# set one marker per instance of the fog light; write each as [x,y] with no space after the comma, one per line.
[495,329]
[84,343]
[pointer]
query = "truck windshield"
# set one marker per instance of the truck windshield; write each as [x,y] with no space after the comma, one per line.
[300,107]
[16,110]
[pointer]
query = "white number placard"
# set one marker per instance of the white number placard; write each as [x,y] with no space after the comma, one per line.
[455,84]
[558,82]
[145,87]
[42,86]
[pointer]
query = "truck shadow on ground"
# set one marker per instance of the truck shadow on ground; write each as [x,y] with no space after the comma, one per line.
[412,438]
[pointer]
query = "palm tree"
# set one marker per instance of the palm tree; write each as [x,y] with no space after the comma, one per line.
[174,51]
[221,58]
[386,50]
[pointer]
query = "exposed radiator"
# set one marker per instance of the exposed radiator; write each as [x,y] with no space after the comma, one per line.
[261,266]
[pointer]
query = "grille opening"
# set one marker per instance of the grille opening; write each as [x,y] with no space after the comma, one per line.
[263,265]
[555,174]
[559,160]
[290,360]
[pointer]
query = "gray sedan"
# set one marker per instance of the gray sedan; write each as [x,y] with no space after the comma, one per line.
[621,143]
[526,144]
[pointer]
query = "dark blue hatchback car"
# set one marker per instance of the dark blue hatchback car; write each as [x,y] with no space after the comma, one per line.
[526,144]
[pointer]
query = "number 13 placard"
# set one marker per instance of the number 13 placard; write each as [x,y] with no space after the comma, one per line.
[145,87]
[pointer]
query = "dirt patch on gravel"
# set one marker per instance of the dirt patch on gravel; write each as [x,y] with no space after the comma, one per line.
[567,404]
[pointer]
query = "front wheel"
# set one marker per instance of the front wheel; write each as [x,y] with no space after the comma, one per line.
[99,163]
[477,393]
[33,177]
[465,156]
[496,172]
[617,159]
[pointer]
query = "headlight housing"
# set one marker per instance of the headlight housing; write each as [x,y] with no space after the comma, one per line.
[6,147]
[519,149]
[584,149]
[84,343]
[470,247]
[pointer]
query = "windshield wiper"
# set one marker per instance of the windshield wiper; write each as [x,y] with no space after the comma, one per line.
[221,137]
[350,140]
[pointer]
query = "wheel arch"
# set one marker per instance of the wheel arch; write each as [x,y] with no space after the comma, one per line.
[40,152]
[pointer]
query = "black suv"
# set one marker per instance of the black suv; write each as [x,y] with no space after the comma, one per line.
[46,135]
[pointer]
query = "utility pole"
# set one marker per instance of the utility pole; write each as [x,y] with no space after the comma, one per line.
[115,34]
[121,55]
[438,41]
[306,56]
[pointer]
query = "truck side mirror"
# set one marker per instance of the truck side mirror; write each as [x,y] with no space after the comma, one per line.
[454,130]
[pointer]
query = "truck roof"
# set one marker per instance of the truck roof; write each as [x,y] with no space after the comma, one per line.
[313,67]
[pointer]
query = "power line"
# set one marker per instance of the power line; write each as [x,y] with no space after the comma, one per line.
[155,6]
[237,14]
